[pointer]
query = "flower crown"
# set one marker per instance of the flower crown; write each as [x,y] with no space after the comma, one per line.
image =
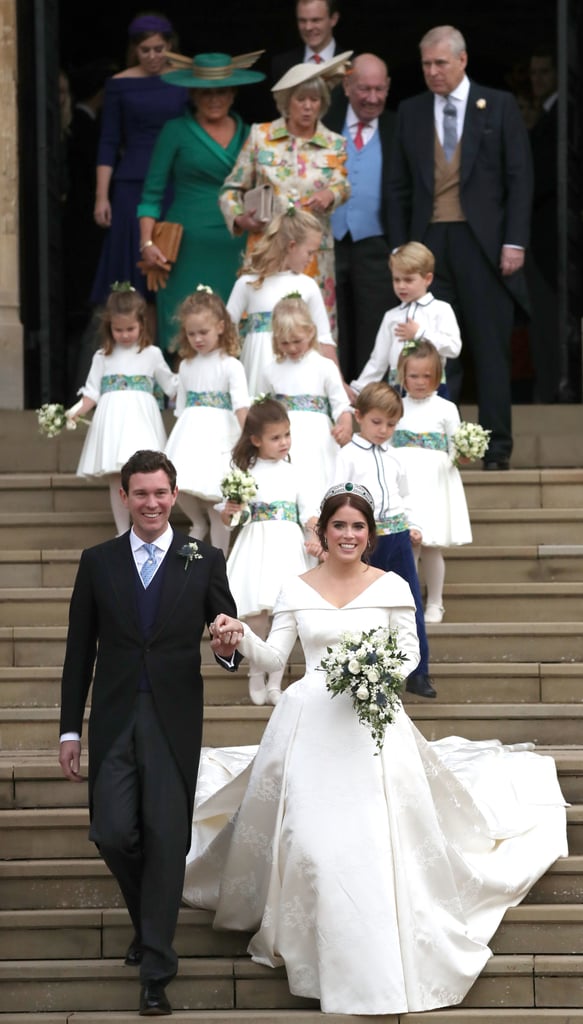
[349,488]
[293,295]
[205,288]
[122,286]
[411,346]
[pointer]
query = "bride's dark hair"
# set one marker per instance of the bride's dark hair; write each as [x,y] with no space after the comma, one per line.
[336,501]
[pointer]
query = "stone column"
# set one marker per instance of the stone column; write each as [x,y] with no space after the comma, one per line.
[11,335]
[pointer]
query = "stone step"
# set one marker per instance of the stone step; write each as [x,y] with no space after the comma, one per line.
[99,985]
[60,833]
[548,436]
[534,563]
[523,488]
[525,526]
[514,683]
[489,527]
[472,563]
[85,883]
[33,779]
[464,602]
[490,1015]
[24,646]
[23,729]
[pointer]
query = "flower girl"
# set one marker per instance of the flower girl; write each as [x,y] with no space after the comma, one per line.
[121,384]
[310,387]
[211,407]
[274,269]
[270,546]
[436,494]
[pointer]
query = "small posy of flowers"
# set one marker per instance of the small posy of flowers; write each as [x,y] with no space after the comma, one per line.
[367,666]
[481,103]
[52,419]
[470,441]
[189,552]
[238,486]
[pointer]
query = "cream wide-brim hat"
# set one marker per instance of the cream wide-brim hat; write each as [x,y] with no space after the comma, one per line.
[299,74]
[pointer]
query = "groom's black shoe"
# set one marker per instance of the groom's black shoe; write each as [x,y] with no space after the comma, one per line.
[153,1000]
[420,684]
[133,956]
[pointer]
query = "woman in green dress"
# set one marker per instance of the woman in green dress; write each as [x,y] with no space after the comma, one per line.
[195,153]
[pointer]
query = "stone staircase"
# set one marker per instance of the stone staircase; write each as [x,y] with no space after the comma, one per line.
[507,661]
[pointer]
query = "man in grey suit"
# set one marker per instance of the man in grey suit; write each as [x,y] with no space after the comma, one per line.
[461,182]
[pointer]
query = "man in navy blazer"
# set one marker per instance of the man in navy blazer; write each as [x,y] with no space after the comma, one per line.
[138,610]
[476,221]
[316,21]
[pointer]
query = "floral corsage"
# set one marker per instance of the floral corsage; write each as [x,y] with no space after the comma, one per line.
[189,552]
[367,666]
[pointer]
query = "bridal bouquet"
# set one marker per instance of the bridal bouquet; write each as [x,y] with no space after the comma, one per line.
[52,419]
[367,666]
[238,486]
[470,441]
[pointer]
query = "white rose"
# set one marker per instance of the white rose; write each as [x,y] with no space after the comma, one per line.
[362,692]
[354,667]
[373,676]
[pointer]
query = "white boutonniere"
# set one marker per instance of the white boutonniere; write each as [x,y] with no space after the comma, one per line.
[481,104]
[189,552]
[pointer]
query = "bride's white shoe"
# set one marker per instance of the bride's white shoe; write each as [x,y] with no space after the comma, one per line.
[434,613]
[257,690]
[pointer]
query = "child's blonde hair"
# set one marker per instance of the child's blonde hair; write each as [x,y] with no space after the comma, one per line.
[420,350]
[269,255]
[260,415]
[290,317]
[412,258]
[204,301]
[123,300]
[382,396]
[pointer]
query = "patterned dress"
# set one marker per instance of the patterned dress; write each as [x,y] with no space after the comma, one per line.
[296,168]
[127,416]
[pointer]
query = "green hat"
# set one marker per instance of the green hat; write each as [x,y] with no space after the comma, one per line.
[213,71]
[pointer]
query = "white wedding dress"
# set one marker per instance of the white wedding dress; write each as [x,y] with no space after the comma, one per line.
[377,880]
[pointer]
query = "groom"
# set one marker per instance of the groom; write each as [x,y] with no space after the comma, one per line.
[138,611]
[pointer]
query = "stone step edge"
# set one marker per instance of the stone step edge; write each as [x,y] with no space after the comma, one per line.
[218,712]
[76,817]
[243,967]
[448,1016]
[113,917]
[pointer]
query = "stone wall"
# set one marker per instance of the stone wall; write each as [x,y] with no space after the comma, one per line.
[11,335]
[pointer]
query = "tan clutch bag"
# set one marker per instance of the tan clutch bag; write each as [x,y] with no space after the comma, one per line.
[167,236]
[260,202]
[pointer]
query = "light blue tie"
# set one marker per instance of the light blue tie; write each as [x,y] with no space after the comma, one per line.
[149,566]
[449,128]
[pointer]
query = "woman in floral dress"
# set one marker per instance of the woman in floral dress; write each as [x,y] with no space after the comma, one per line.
[301,159]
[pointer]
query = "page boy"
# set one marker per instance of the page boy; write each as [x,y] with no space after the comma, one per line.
[369,459]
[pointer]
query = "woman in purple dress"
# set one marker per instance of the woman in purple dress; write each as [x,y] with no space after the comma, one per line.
[137,104]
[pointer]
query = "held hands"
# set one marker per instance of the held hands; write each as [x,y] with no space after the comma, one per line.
[406,331]
[226,634]
[342,432]
[511,260]
[69,760]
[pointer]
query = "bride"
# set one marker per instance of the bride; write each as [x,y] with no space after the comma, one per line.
[377,881]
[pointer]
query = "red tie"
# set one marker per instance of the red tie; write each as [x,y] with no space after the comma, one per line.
[358,139]
[316,58]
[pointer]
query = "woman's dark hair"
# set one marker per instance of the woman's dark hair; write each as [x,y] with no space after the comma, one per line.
[336,501]
[260,415]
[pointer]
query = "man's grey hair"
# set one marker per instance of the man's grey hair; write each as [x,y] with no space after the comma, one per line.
[445,34]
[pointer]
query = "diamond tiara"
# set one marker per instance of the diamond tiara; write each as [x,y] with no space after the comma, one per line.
[349,488]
